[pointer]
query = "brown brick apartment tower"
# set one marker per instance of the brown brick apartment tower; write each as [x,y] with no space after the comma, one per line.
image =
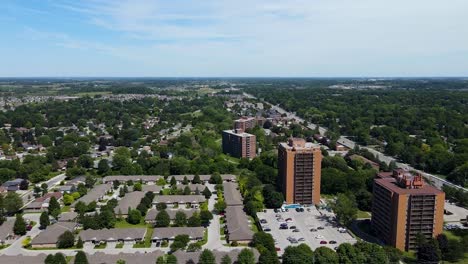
[239,144]
[403,206]
[245,123]
[299,169]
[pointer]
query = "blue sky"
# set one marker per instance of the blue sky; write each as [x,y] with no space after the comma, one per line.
[269,38]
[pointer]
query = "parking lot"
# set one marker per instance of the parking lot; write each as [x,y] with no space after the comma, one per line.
[324,228]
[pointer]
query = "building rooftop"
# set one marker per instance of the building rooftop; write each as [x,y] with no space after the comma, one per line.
[298,144]
[131,199]
[140,258]
[238,132]
[51,233]
[392,185]
[193,257]
[237,224]
[232,195]
[172,232]
[94,194]
[151,214]
[113,234]
[179,199]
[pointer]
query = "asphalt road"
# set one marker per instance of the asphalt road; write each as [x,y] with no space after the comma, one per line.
[52,182]
[436,181]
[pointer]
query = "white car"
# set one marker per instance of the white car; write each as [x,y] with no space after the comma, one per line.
[319,237]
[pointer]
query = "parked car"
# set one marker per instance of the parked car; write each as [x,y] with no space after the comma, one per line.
[313,230]
[323,242]
[267,229]
[293,241]
[292,227]
[301,239]
[283,227]
[29,227]
[277,215]
[277,249]
[289,219]
[319,237]
[263,221]
[332,242]
[296,230]
[320,228]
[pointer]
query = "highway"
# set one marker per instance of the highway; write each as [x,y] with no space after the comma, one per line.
[436,181]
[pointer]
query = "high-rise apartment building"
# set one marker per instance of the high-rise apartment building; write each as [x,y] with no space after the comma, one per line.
[239,144]
[299,169]
[404,206]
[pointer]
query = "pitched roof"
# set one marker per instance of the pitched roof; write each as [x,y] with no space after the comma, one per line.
[68,216]
[172,232]
[179,199]
[94,194]
[192,257]
[232,195]
[131,199]
[51,233]
[21,259]
[140,258]
[6,229]
[193,187]
[124,178]
[151,188]
[237,224]
[151,214]
[113,234]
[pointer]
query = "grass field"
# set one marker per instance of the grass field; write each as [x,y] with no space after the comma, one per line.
[124,224]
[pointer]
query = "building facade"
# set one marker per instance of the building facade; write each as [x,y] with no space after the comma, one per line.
[245,123]
[239,144]
[403,207]
[299,169]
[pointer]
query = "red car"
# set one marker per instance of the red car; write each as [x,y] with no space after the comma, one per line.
[323,242]
[278,249]
[29,227]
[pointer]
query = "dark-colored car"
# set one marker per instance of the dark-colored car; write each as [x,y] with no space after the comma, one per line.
[323,242]
[267,229]
[29,227]
[332,242]
[320,228]
[283,227]
[263,221]
[292,227]
[296,230]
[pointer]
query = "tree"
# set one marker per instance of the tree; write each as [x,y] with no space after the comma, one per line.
[273,199]
[246,256]
[263,242]
[68,199]
[207,257]
[429,251]
[207,193]
[348,254]
[50,259]
[187,190]
[196,179]
[79,243]
[171,259]
[226,260]
[44,220]
[134,216]
[173,181]
[137,187]
[162,219]
[345,209]
[24,185]
[121,261]
[372,253]
[192,247]
[180,219]
[194,220]
[66,240]
[205,217]
[180,242]
[295,255]
[160,260]
[54,207]
[216,179]
[59,258]
[19,228]
[220,206]
[268,257]
[324,255]
[80,258]
[81,207]
[12,202]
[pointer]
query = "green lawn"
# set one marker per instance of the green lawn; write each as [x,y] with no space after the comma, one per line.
[100,246]
[254,226]
[124,224]
[147,242]
[65,209]
[363,214]
[119,245]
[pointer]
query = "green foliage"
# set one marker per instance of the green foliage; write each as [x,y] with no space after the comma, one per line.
[246,256]
[295,255]
[207,257]
[81,258]
[44,220]
[54,207]
[162,219]
[345,208]
[226,260]
[66,240]
[194,220]
[180,219]
[180,242]
[324,255]
[134,216]
[12,202]
[19,227]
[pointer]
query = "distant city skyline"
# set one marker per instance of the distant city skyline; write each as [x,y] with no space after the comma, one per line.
[221,38]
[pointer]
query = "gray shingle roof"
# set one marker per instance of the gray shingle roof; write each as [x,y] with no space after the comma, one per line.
[20,259]
[179,199]
[192,187]
[151,214]
[237,224]
[151,188]
[6,229]
[131,200]
[94,194]
[192,257]
[52,232]
[140,258]
[113,234]
[124,178]
[172,232]
[68,216]
[232,195]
